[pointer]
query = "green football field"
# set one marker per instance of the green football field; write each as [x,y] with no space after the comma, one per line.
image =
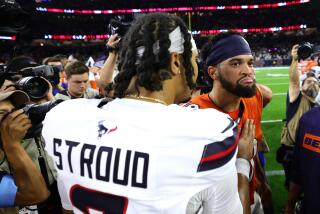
[273,114]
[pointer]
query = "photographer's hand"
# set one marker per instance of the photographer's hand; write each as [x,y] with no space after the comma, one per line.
[294,75]
[49,96]
[13,128]
[113,41]
[31,185]
[7,86]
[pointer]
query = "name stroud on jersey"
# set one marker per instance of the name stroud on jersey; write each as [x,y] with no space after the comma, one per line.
[105,160]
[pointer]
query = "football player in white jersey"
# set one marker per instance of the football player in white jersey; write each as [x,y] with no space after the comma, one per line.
[141,153]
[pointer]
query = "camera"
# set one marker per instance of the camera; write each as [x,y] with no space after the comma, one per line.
[12,18]
[118,25]
[35,87]
[36,114]
[305,50]
[33,81]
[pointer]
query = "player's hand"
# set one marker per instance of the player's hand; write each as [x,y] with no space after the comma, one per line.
[14,127]
[245,145]
[294,52]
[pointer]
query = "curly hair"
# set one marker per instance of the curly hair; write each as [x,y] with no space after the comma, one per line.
[151,69]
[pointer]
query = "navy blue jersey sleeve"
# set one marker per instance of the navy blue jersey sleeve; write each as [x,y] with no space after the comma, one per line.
[8,190]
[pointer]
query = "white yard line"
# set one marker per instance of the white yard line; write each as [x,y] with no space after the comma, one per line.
[282,83]
[274,172]
[271,78]
[271,121]
[271,68]
[279,94]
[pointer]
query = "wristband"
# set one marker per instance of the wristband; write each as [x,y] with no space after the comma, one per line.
[243,167]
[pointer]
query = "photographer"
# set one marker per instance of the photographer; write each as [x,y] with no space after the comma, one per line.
[300,99]
[32,142]
[26,185]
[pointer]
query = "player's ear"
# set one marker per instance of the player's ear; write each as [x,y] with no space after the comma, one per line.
[213,72]
[175,63]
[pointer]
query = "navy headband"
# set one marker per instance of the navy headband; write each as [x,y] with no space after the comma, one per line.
[226,48]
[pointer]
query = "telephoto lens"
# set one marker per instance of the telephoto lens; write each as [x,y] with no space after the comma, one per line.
[35,87]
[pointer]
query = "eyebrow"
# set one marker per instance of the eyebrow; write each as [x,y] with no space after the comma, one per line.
[240,59]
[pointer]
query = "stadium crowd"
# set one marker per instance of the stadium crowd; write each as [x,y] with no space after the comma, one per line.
[116,133]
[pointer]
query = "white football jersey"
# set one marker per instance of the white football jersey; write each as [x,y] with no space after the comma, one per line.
[132,156]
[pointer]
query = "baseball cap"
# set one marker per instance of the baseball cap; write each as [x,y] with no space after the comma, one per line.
[17,97]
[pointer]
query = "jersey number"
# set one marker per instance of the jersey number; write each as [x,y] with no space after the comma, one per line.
[87,199]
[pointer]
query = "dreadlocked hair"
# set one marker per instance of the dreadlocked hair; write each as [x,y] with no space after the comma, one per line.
[151,69]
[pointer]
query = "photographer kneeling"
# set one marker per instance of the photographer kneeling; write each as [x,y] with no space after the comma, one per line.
[26,185]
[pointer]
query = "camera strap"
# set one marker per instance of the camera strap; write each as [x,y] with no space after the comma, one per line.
[42,162]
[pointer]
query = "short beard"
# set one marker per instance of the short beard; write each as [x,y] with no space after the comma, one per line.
[238,90]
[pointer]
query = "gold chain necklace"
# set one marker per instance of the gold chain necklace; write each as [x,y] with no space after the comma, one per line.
[154,100]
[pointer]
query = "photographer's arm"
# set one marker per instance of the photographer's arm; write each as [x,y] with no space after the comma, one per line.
[107,70]
[31,185]
[294,75]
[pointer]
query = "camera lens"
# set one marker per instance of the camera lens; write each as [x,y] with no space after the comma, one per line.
[35,87]
[305,50]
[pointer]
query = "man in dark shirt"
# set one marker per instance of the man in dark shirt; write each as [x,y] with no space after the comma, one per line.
[300,99]
[306,162]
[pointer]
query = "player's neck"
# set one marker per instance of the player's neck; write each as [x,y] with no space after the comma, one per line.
[155,96]
[225,100]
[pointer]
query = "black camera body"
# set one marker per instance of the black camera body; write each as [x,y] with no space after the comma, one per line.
[305,50]
[119,26]
[36,114]
[49,72]
[13,19]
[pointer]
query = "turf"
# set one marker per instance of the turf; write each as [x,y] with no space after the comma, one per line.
[277,79]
